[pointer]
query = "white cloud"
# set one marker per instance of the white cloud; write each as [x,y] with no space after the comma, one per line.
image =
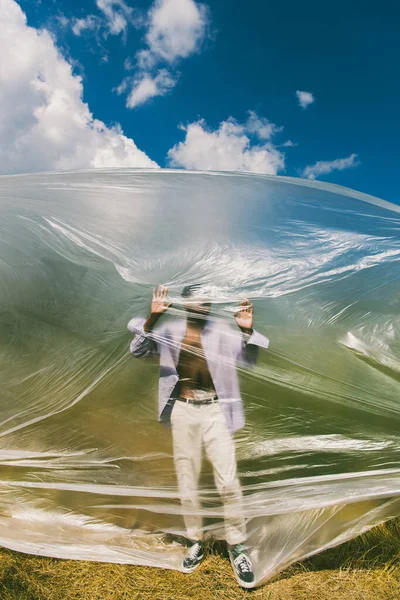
[229,148]
[117,13]
[324,167]
[115,19]
[175,30]
[44,123]
[147,87]
[62,20]
[305,98]
[128,64]
[89,23]
[261,127]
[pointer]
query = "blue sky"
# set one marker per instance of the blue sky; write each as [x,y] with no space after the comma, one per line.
[221,61]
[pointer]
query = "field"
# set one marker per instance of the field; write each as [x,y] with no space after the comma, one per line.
[366,568]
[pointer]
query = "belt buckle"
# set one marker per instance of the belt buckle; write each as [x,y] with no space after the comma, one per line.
[210,400]
[200,401]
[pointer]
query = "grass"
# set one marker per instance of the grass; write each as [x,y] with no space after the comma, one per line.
[366,568]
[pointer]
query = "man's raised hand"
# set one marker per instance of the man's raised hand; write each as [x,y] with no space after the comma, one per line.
[159,303]
[244,316]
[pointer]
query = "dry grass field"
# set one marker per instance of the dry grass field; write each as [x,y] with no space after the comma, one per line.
[367,568]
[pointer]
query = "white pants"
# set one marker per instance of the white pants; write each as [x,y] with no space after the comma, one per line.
[192,427]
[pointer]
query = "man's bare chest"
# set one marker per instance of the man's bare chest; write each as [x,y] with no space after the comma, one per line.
[192,339]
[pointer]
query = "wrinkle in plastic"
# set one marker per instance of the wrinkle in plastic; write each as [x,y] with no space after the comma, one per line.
[307,425]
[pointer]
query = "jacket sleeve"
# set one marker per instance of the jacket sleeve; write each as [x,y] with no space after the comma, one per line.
[143,344]
[249,345]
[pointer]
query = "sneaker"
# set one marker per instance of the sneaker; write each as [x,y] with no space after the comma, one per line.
[241,565]
[193,557]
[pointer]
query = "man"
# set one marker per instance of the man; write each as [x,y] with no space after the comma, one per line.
[199,396]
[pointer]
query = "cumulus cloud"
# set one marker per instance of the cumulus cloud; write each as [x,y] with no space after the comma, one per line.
[305,98]
[147,87]
[175,30]
[44,123]
[229,148]
[325,167]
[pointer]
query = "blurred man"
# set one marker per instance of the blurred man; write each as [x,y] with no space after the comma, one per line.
[199,395]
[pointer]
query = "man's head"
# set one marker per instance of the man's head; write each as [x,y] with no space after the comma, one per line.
[194,301]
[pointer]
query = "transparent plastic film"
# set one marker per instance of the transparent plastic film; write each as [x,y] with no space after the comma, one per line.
[189,355]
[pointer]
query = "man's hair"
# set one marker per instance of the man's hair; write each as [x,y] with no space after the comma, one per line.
[190,290]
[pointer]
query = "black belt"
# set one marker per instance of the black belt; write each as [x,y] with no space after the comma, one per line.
[210,400]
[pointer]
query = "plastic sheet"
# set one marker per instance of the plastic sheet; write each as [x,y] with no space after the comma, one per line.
[87,470]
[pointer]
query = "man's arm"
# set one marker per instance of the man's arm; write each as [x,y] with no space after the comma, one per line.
[143,343]
[251,340]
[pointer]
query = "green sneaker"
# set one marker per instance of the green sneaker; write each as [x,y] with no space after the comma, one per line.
[241,565]
[193,557]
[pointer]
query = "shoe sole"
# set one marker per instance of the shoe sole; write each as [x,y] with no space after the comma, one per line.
[244,584]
